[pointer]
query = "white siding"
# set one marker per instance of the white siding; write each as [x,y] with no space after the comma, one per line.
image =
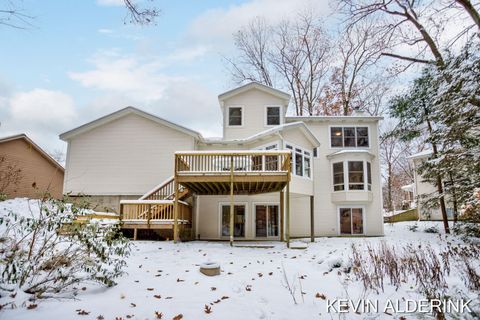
[253,102]
[127,156]
[326,211]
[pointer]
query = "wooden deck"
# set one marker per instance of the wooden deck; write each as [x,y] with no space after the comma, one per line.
[210,173]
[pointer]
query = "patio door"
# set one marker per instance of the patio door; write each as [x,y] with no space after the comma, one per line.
[266,221]
[238,221]
[351,221]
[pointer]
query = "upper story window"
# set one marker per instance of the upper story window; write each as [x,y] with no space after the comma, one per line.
[349,137]
[301,162]
[235,116]
[273,116]
[355,172]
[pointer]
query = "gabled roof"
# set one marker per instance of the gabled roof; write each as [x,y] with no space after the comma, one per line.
[287,126]
[23,136]
[121,113]
[254,85]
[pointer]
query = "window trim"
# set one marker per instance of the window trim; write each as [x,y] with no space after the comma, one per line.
[227,124]
[219,227]
[344,125]
[364,224]
[265,118]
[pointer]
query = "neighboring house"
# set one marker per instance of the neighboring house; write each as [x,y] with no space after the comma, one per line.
[36,171]
[330,186]
[420,188]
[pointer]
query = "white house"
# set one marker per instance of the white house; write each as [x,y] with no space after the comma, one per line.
[421,188]
[280,175]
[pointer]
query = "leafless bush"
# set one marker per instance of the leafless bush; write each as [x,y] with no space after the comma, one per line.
[422,265]
[10,174]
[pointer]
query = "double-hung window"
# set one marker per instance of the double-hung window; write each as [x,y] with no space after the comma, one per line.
[273,116]
[349,137]
[235,116]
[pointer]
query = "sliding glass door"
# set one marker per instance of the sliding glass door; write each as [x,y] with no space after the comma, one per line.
[266,221]
[238,221]
[351,221]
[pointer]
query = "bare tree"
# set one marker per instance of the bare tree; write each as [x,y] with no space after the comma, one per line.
[471,10]
[403,22]
[254,44]
[10,174]
[294,53]
[359,49]
[140,15]
[14,16]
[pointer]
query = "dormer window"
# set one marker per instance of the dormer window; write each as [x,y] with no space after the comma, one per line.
[235,116]
[273,116]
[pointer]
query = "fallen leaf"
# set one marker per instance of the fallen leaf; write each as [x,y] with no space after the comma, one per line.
[157,296]
[150,289]
[83,312]
[178,317]
[31,306]
[213,288]
[225,297]
[133,305]
[320,296]
[158,315]
[208,309]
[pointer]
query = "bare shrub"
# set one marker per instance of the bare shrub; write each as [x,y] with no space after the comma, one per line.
[421,265]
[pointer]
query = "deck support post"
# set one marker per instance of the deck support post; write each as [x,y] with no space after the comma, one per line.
[312,220]
[231,202]
[135,234]
[175,205]
[282,216]
[288,215]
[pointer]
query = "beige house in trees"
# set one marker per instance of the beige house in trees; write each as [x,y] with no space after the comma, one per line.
[270,176]
[37,171]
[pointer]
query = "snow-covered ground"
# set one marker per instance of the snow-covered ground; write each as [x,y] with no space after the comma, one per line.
[164,278]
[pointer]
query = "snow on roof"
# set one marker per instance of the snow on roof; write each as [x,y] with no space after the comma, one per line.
[253,85]
[350,151]
[35,146]
[121,113]
[422,154]
[302,126]
[334,118]
[408,187]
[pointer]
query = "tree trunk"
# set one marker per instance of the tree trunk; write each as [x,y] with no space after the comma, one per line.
[468,6]
[454,199]
[389,188]
[443,208]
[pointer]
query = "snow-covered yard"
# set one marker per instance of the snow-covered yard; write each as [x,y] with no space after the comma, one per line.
[164,278]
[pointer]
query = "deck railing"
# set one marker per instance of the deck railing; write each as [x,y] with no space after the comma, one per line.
[270,161]
[165,191]
[154,210]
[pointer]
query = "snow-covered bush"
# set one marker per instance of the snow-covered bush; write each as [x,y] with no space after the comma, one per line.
[469,224]
[413,227]
[431,229]
[45,252]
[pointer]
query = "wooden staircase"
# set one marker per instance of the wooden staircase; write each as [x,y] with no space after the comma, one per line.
[155,209]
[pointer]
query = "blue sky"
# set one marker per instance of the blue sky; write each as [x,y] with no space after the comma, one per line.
[79,61]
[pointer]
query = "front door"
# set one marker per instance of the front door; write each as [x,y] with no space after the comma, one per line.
[266,221]
[238,221]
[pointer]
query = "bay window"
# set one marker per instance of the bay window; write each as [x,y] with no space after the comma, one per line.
[352,175]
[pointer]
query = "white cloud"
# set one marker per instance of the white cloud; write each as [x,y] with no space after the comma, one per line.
[105,31]
[42,108]
[110,2]
[217,25]
[130,80]
[40,113]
